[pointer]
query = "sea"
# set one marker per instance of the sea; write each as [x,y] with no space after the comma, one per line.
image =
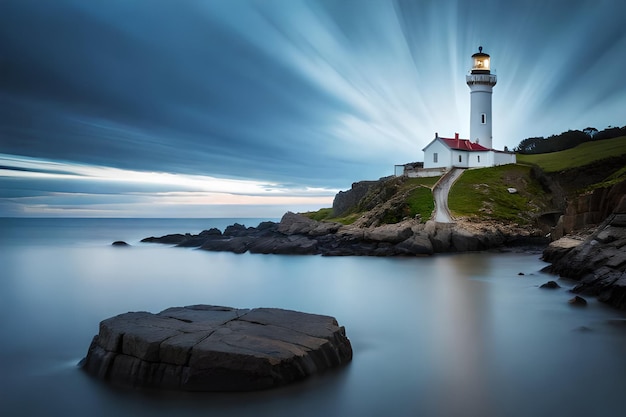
[467,334]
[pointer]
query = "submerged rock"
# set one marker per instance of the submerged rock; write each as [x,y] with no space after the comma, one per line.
[210,348]
[550,285]
[578,301]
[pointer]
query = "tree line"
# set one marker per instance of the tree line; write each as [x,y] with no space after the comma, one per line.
[567,140]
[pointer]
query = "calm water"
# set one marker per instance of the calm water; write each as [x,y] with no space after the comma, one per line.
[455,335]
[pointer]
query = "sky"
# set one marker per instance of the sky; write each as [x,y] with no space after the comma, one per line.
[245,108]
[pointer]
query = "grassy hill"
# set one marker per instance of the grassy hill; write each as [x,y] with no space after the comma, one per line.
[579,156]
[585,167]
[483,194]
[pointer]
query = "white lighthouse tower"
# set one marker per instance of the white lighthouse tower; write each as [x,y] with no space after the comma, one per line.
[481,82]
[477,151]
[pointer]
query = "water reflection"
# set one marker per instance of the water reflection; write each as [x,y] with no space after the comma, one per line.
[458,335]
[463,334]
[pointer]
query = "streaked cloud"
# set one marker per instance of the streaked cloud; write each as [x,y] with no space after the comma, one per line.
[40,187]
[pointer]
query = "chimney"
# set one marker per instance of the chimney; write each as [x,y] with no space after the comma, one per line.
[456,136]
[436,134]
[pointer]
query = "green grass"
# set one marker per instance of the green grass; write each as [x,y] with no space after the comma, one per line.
[419,201]
[319,215]
[581,155]
[427,182]
[347,219]
[483,194]
[325,214]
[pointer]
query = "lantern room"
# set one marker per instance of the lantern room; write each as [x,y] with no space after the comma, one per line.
[481,64]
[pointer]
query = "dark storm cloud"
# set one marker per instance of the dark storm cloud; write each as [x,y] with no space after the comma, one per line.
[22,187]
[148,87]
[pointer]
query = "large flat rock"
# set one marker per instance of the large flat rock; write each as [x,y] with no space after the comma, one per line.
[211,348]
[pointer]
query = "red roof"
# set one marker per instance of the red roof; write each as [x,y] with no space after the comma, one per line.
[463,144]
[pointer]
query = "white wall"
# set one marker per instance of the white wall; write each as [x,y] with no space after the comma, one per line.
[486,159]
[443,155]
[423,173]
[463,163]
[503,158]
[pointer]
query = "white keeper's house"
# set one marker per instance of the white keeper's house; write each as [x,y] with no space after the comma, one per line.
[477,151]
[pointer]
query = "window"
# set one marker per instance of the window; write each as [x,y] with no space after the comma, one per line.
[460,158]
[435,157]
[483,118]
[478,156]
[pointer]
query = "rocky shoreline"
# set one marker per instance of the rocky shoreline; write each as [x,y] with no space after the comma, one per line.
[588,233]
[296,234]
[598,262]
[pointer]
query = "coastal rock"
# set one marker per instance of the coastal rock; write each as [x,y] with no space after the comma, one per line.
[559,248]
[172,239]
[440,235]
[392,233]
[120,243]
[299,235]
[418,244]
[236,230]
[550,285]
[296,224]
[599,262]
[292,223]
[233,244]
[210,348]
[346,200]
[578,301]
[289,245]
[465,241]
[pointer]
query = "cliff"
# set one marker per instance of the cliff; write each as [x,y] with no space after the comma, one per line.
[598,262]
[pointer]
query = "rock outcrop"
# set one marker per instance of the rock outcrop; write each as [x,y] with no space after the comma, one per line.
[209,348]
[346,200]
[299,235]
[589,209]
[599,262]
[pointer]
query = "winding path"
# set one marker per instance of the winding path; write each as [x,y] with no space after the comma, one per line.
[440,194]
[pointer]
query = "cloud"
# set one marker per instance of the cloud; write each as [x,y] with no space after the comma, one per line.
[41,187]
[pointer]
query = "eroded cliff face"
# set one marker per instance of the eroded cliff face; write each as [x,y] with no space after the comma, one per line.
[346,200]
[589,209]
[598,262]
[582,210]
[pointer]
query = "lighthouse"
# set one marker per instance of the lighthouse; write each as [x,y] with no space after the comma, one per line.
[476,152]
[481,82]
